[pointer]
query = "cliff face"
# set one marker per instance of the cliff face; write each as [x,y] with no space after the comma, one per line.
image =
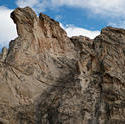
[49,78]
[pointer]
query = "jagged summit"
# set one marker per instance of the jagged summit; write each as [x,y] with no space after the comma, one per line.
[36,35]
[49,78]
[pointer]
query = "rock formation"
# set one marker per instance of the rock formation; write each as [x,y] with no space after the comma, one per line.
[49,78]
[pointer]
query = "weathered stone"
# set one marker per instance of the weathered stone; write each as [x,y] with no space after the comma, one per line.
[48,78]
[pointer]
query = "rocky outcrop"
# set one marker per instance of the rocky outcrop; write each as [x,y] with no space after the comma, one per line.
[49,78]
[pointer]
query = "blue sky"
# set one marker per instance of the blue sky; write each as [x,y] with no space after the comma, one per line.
[77,17]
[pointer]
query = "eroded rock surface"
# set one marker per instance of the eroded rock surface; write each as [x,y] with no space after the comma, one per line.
[49,78]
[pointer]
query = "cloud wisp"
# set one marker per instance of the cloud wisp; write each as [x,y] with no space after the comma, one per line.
[107,7]
[37,5]
[23,3]
[103,7]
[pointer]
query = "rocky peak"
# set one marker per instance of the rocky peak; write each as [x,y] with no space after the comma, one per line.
[40,27]
[24,20]
[37,36]
[49,78]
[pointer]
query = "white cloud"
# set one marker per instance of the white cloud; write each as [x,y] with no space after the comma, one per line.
[108,7]
[76,31]
[103,7]
[7,27]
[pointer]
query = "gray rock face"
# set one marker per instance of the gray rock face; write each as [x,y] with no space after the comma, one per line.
[48,78]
